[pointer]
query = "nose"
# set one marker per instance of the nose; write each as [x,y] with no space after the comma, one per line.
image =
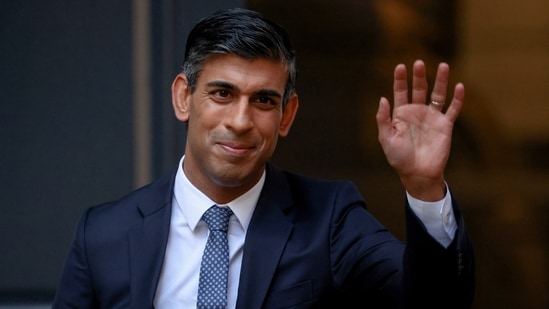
[239,115]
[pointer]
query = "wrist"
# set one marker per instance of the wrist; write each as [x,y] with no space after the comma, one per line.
[424,189]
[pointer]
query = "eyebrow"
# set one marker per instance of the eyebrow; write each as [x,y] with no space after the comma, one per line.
[269,93]
[221,84]
[260,92]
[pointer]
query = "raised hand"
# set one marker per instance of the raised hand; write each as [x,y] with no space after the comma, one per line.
[416,138]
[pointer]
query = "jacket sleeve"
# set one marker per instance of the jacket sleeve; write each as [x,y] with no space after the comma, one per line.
[434,276]
[75,286]
[378,270]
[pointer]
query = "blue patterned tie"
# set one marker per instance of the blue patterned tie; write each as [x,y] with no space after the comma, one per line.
[212,285]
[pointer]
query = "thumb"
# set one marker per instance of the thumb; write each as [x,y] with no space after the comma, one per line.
[383,118]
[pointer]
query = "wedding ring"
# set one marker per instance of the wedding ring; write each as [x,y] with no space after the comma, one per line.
[437,104]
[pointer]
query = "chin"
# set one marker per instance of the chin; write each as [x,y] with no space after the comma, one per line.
[236,176]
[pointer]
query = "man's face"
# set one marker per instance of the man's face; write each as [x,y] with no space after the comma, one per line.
[234,119]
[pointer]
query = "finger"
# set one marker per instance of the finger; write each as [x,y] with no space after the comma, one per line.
[457,103]
[419,83]
[383,118]
[400,86]
[441,85]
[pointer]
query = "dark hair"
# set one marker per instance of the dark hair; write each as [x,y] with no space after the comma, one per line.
[240,32]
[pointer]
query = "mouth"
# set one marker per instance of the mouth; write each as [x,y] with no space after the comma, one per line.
[235,149]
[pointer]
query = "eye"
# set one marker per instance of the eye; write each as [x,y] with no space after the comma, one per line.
[221,95]
[265,100]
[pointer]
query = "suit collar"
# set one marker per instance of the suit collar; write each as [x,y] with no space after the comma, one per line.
[265,240]
[158,195]
[147,241]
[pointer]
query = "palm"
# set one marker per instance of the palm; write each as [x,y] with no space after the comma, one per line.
[419,141]
[416,138]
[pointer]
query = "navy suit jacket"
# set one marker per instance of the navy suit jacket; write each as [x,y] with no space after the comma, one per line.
[310,244]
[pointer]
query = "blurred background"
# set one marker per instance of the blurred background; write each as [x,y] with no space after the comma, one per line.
[85,116]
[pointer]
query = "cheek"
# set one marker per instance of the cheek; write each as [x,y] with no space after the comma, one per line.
[202,118]
[268,122]
[270,131]
[198,132]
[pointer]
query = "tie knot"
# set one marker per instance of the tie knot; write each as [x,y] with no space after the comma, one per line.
[217,218]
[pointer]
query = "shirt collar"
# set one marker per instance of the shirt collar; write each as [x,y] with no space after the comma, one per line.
[193,203]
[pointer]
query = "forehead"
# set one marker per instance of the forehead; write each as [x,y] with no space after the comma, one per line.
[244,73]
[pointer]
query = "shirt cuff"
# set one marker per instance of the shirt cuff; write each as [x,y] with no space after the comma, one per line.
[437,217]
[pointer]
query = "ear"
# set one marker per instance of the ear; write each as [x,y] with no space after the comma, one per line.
[288,115]
[181,96]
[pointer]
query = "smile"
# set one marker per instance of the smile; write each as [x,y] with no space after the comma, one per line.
[235,149]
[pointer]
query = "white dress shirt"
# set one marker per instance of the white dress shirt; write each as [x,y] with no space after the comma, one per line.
[178,284]
[437,217]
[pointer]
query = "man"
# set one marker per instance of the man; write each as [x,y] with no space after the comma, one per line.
[293,241]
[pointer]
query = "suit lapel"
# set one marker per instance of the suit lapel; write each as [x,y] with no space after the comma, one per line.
[147,242]
[265,240]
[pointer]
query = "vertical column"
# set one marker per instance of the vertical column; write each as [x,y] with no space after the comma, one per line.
[142,97]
